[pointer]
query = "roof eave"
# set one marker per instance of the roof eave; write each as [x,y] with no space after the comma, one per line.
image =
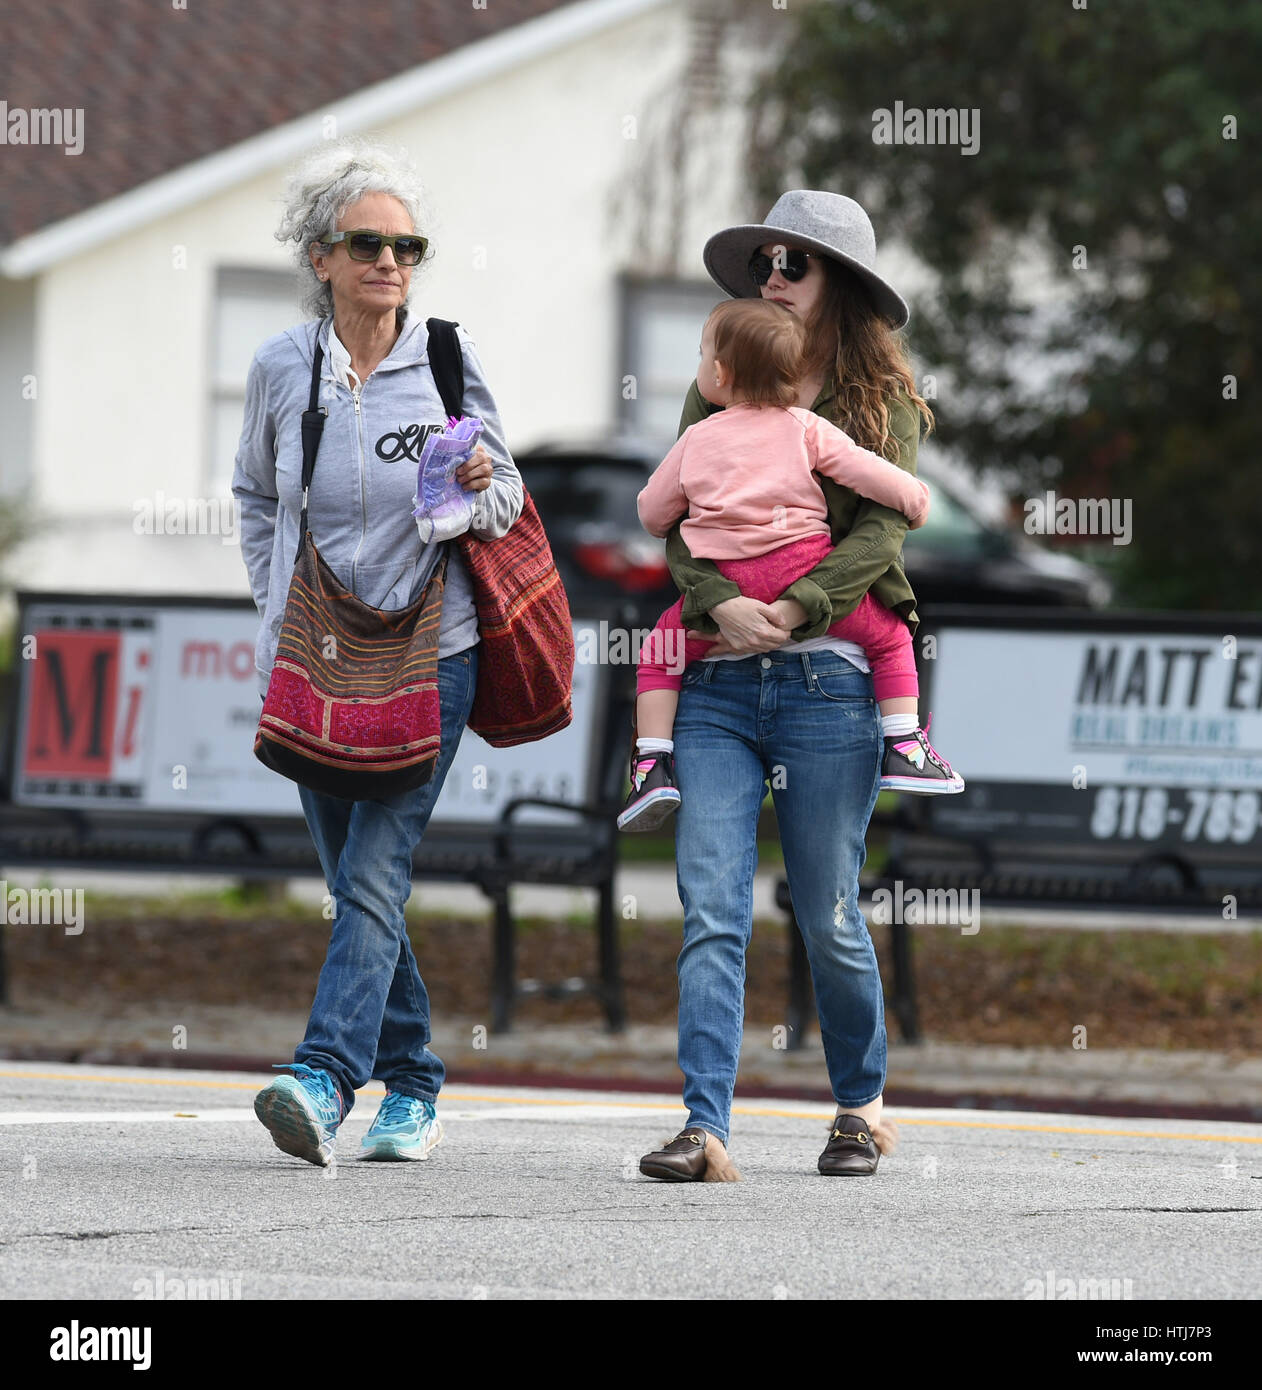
[384,101]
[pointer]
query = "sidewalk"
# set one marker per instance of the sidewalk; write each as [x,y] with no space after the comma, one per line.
[174,1032]
[652,886]
[976,1076]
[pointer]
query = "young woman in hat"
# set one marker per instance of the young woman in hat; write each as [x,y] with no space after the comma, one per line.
[747,476]
[778,700]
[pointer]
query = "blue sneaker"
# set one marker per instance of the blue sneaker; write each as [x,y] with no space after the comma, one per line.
[405,1128]
[302,1112]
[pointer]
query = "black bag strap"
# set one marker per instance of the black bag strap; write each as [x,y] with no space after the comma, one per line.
[446,361]
[312,428]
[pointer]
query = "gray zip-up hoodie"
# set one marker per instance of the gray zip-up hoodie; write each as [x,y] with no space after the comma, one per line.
[361,497]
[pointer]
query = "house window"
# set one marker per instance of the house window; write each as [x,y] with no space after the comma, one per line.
[661,328]
[250,307]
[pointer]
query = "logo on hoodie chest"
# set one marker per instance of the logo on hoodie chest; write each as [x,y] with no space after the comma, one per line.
[404,443]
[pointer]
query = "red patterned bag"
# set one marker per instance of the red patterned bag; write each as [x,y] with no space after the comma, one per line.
[526,655]
[352,704]
[526,651]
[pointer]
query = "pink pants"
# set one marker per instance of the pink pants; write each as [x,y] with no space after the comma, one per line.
[884,637]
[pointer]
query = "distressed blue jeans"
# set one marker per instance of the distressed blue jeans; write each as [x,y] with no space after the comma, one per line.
[370,1018]
[807,724]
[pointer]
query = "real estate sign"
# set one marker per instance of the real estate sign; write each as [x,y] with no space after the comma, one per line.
[1137,730]
[152,704]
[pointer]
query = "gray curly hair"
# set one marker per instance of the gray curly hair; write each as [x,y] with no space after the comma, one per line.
[320,189]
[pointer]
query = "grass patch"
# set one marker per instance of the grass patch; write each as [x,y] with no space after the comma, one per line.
[1010,985]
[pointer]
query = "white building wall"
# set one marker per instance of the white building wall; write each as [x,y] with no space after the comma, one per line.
[19,391]
[522,174]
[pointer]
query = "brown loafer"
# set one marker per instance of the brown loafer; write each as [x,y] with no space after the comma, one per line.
[682,1160]
[851,1150]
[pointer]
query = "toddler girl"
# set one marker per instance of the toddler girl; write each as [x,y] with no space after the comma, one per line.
[745,478]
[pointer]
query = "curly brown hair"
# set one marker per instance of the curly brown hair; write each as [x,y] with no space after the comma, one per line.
[848,340]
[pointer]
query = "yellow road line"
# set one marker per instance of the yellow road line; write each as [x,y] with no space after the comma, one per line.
[657,1105]
[1043,1129]
[135,1080]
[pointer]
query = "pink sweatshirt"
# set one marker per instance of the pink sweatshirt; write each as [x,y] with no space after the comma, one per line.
[743,475]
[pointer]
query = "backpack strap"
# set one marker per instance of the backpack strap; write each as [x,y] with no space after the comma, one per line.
[446,361]
[312,428]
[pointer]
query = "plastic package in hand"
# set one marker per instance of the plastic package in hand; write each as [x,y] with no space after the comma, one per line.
[442,507]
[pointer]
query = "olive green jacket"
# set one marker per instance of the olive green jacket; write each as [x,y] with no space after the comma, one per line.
[867,554]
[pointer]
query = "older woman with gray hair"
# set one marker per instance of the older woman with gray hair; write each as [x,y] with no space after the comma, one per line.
[352,217]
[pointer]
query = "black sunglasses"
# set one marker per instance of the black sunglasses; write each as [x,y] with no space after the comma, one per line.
[793,265]
[366,246]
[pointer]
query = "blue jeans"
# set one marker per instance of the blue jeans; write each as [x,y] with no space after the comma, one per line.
[370,1018]
[806,722]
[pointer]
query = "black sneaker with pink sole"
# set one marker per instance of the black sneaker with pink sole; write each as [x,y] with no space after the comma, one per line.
[654,796]
[912,764]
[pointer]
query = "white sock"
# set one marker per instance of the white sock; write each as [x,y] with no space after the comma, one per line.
[898,725]
[655,745]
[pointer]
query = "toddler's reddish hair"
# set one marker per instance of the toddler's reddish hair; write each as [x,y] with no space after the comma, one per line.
[762,344]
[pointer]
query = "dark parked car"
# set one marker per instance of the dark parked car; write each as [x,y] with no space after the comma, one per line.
[958,556]
[586,500]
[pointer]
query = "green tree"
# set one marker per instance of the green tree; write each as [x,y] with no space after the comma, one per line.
[1127,131]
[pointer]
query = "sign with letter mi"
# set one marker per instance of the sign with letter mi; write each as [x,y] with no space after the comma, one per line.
[1126,730]
[134,704]
[152,704]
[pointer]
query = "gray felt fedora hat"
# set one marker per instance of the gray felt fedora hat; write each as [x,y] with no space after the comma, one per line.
[829,223]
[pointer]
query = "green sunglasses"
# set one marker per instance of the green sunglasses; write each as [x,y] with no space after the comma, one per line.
[364,245]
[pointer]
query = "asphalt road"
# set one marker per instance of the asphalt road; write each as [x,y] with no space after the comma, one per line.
[117,1182]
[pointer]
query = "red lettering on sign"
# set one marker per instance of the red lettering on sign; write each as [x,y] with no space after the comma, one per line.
[72,699]
[201,660]
[133,715]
